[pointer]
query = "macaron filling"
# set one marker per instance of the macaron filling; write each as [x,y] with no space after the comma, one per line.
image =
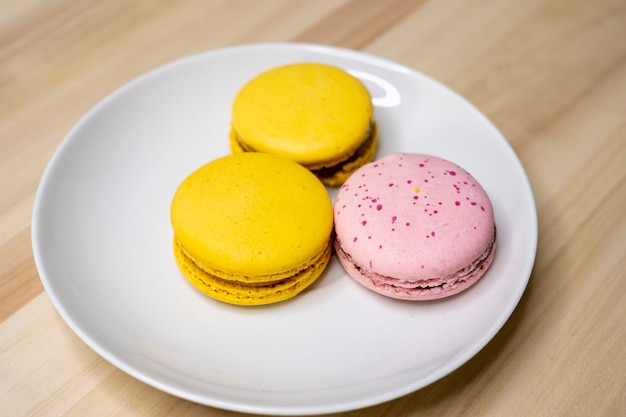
[252,293]
[332,170]
[429,288]
[252,280]
[361,152]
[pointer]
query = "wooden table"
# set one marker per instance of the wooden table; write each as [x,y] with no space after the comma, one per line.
[550,74]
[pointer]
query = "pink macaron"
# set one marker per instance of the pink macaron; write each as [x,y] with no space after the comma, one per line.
[414,227]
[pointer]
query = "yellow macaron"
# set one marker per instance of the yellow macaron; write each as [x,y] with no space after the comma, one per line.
[315,114]
[251,228]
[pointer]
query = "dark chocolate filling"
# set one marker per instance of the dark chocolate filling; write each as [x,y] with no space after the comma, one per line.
[331,171]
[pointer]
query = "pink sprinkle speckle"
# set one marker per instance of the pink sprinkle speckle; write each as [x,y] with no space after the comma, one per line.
[452,173]
[354,240]
[391,184]
[457,203]
[416,197]
[421,165]
[374,200]
[408,224]
[482,208]
[393,219]
[432,234]
[380,246]
[409,181]
[379,207]
[364,222]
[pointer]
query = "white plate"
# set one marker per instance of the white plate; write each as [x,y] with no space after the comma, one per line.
[102,244]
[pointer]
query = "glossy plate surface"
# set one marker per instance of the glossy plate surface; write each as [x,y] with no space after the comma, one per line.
[102,242]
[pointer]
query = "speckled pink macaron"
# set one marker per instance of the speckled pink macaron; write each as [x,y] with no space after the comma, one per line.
[414,227]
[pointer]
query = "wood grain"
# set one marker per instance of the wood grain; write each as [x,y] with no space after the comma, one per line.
[551,75]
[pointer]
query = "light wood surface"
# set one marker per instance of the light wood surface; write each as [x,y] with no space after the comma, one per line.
[550,74]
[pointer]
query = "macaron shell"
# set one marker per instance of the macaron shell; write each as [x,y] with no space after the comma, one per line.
[252,217]
[315,114]
[413,217]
